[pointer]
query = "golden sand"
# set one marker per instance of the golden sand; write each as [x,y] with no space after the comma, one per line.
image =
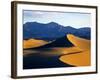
[77,59]
[31,43]
[83,44]
[78,55]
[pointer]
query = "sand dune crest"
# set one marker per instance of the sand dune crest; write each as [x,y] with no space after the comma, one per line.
[79,42]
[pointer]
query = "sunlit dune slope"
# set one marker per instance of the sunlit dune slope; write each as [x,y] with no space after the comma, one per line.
[78,59]
[83,44]
[81,58]
[68,50]
[31,43]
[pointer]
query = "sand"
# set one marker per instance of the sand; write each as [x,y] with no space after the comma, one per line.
[78,58]
[78,55]
[69,50]
[32,43]
[81,43]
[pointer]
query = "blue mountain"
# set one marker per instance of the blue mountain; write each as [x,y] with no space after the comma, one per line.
[52,31]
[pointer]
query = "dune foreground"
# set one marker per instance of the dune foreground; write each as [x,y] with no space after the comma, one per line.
[77,55]
[78,58]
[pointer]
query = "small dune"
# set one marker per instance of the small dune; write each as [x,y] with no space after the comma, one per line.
[32,43]
[83,44]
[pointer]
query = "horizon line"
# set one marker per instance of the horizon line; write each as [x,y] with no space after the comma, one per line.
[55,23]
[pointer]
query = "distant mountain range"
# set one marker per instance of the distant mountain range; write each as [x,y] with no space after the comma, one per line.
[52,31]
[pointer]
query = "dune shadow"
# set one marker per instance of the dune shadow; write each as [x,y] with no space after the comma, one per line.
[39,60]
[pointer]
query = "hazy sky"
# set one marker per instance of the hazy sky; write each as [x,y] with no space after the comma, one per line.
[76,20]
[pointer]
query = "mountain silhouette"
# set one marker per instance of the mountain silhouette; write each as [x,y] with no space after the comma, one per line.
[52,31]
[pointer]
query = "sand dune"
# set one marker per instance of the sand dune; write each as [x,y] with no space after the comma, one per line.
[79,42]
[31,43]
[77,59]
[78,55]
